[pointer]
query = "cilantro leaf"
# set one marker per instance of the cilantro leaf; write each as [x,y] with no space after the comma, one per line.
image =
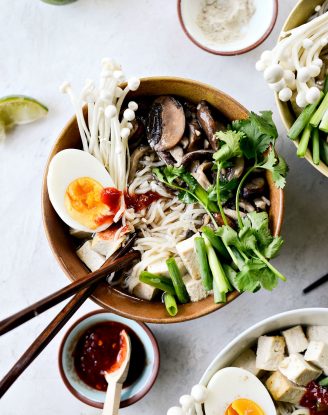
[228,235]
[247,238]
[273,248]
[259,222]
[231,274]
[278,168]
[186,197]
[259,132]
[226,190]
[254,275]
[231,147]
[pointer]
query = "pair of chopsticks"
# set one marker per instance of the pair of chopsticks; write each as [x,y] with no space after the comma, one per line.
[315,284]
[83,288]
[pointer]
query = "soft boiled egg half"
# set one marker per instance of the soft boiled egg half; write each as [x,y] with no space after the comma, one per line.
[77,185]
[235,391]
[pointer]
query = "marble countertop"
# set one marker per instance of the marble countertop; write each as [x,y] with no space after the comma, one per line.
[43,45]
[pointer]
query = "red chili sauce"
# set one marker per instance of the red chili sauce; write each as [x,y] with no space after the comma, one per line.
[316,399]
[140,201]
[98,350]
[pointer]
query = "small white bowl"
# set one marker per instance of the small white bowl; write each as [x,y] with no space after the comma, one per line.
[259,28]
[306,316]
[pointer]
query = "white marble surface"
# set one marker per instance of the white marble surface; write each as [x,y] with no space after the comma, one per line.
[42,45]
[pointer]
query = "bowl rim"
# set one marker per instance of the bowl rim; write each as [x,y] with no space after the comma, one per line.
[149,319]
[232,52]
[127,402]
[253,328]
[321,167]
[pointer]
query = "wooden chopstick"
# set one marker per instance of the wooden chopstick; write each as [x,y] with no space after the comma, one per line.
[45,338]
[57,323]
[51,300]
[316,284]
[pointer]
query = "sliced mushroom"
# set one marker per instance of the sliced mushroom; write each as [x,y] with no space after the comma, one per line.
[208,123]
[219,220]
[166,157]
[200,175]
[233,214]
[255,186]
[260,203]
[137,133]
[236,170]
[177,153]
[197,155]
[246,206]
[135,158]
[194,136]
[166,123]
[184,142]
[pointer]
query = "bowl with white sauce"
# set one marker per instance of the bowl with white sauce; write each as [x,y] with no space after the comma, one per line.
[227,27]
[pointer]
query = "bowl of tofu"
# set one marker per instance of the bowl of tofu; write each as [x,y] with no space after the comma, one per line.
[73,260]
[288,352]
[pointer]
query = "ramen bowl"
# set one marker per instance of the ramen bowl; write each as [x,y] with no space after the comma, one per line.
[299,15]
[61,242]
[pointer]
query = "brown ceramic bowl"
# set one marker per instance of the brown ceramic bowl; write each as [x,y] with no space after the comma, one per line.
[299,15]
[61,242]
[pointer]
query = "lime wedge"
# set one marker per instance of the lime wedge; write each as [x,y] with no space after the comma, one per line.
[17,110]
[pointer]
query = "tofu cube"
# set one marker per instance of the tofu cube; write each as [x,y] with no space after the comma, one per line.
[144,291]
[186,250]
[282,389]
[317,333]
[298,370]
[93,260]
[109,241]
[295,340]
[247,361]
[195,289]
[160,267]
[317,353]
[270,352]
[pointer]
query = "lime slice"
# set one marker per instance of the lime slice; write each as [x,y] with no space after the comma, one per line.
[17,110]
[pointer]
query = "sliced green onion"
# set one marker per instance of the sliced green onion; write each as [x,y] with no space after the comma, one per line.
[220,282]
[317,116]
[216,242]
[316,146]
[303,119]
[170,304]
[204,267]
[304,141]
[157,281]
[324,151]
[178,284]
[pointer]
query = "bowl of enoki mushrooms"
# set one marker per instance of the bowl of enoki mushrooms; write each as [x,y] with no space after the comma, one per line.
[149,152]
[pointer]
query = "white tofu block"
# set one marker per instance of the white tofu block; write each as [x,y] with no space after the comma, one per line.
[144,291]
[317,333]
[247,361]
[282,389]
[295,340]
[270,352]
[317,353]
[160,267]
[109,241]
[186,250]
[93,260]
[195,289]
[299,371]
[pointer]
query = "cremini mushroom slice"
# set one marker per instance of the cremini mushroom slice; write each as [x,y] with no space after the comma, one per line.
[166,123]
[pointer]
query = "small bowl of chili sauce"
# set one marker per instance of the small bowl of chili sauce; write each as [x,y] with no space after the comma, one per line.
[92,346]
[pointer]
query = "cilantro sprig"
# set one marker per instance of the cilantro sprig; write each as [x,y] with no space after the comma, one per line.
[252,245]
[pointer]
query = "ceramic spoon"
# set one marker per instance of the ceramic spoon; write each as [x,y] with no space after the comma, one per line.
[116,376]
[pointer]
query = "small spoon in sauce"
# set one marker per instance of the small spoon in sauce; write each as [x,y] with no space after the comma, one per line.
[116,376]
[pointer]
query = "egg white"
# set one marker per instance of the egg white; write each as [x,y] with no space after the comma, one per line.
[233,383]
[67,166]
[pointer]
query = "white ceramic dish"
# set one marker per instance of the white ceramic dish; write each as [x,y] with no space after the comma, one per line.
[316,316]
[256,32]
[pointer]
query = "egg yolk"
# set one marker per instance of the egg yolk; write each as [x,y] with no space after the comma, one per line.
[244,407]
[84,203]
